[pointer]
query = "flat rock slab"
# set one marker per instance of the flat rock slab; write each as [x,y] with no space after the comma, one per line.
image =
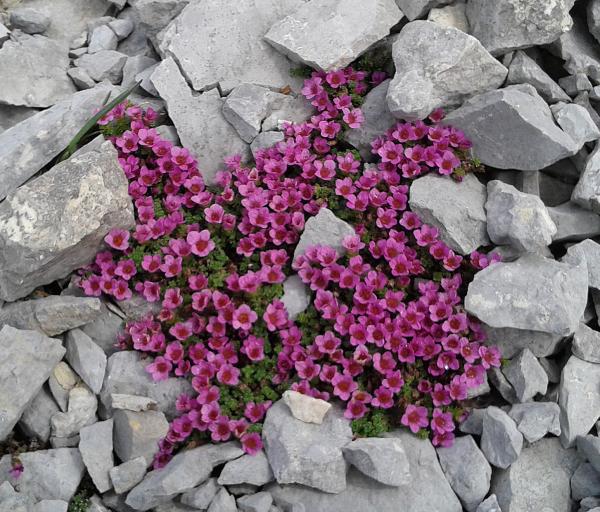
[532,293]
[328,34]
[29,358]
[248,469]
[414,9]
[536,419]
[221,42]
[436,67]
[96,448]
[33,72]
[57,222]
[523,135]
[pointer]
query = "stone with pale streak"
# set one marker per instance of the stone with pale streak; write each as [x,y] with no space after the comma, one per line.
[306,408]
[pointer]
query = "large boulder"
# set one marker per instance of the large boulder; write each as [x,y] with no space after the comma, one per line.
[532,293]
[330,34]
[523,135]
[438,67]
[28,359]
[57,222]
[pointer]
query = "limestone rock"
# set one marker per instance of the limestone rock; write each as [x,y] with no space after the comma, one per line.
[474,422]
[524,136]
[248,469]
[104,329]
[132,402]
[500,382]
[306,408]
[223,502]
[62,380]
[96,447]
[536,419]
[414,9]
[86,358]
[259,502]
[586,344]
[201,496]
[57,222]
[103,65]
[574,84]
[296,297]
[589,447]
[102,38]
[30,21]
[127,475]
[135,65]
[136,434]
[576,122]
[80,78]
[501,442]
[574,223]
[198,118]
[80,413]
[456,209]
[438,67]
[512,341]
[35,421]
[121,27]
[585,482]
[265,140]
[289,108]
[453,15]
[490,504]
[30,357]
[526,375]
[593,18]
[52,506]
[587,191]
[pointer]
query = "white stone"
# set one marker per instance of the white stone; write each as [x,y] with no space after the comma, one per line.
[306,408]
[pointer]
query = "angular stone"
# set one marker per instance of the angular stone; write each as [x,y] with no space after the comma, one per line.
[47,474]
[324,229]
[589,505]
[86,358]
[33,71]
[80,78]
[351,27]
[11,116]
[538,480]
[223,502]
[96,504]
[199,120]
[523,136]
[132,402]
[501,442]
[474,422]
[62,380]
[102,38]
[512,341]
[383,460]
[378,119]
[233,50]
[296,297]
[593,18]
[427,490]
[578,399]
[490,504]
[126,374]
[587,191]
[507,295]
[51,506]
[12,501]
[74,205]
[242,489]
[4,34]
[104,329]
[576,122]
[591,252]
[134,66]
[574,84]
[306,453]
[589,447]
[259,502]
[248,469]
[265,140]
[509,25]
[306,408]
[185,471]
[438,67]
[127,475]
[291,109]
[526,375]
[80,413]
[121,28]
[500,382]
[456,209]
[35,421]
[536,419]
[201,496]
[517,219]
[103,65]
[467,471]
[585,482]
[586,344]
[96,447]
[136,434]
[414,9]
[574,223]
[31,357]
[453,15]
[30,21]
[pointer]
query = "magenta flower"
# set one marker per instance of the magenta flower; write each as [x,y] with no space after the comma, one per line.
[251,443]
[159,369]
[415,418]
[228,375]
[200,242]
[243,318]
[219,429]
[343,386]
[118,239]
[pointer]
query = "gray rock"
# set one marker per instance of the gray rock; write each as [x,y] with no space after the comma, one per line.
[136,307]
[247,106]
[265,140]
[536,419]
[330,36]
[64,442]
[306,408]
[467,471]
[62,380]
[4,34]
[80,78]
[296,297]
[201,496]
[86,358]
[169,133]
[474,422]
[223,502]
[500,382]
[80,413]
[579,400]
[102,38]
[47,474]
[428,489]
[233,51]
[127,475]
[103,65]
[414,9]
[306,453]
[579,49]
[132,402]
[507,295]
[242,489]
[585,482]
[96,447]
[33,70]
[526,375]
[248,469]
[199,120]
[490,504]
[538,480]
[583,100]
[586,344]
[591,252]
[552,368]
[524,136]
[136,434]
[32,357]
[122,27]
[50,315]
[593,18]
[501,442]
[455,209]
[587,191]
[574,84]
[135,65]
[51,506]
[12,501]
[524,70]
[512,341]
[104,329]
[324,229]
[576,122]
[126,374]
[35,421]
[515,24]
[96,504]
[438,67]
[517,219]
[378,119]
[383,460]
[574,223]
[291,109]
[30,21]
[453,15]
[184,472]
[11,116]
[259,502]
[589,447]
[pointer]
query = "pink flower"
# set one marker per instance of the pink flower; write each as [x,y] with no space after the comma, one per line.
[442,422]
[214,214]
[353,118]
[243,318]
[415,418]
[200,242]
[220,429]
[343,386]
[355,409]
[118,239]
[159,369]
[16,470]
[228,375]
[251,443]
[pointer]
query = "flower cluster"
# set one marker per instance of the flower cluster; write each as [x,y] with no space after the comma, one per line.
[385,334]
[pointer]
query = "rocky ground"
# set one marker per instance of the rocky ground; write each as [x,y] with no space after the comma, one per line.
[520,77]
